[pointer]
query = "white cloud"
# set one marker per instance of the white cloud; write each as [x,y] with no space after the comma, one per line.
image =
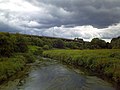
[18,6]
[85,32]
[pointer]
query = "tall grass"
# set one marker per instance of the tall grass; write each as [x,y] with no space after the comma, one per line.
[105,62]
[9,66]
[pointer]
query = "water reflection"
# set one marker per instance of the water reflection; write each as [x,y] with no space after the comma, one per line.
[50,75]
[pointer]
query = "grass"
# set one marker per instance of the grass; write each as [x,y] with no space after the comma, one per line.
[10,66]
[33,48]
[105,61]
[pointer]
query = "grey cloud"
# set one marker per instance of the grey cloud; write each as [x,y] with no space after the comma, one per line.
[99,13]
[6,28]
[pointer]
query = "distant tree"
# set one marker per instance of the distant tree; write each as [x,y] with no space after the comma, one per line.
[98,43]
[72,45]
[115,43]
[21,44]
[58,43]
[39,51]
[36,41]
[48,42]
[108,45]
[46,47]
[79,40]
[6,45]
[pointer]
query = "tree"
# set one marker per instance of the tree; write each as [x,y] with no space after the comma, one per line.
[39,51]
[48,42]
[115,43]
[6,45]
[72,45]
[21,44]
[98,43]
[79,40]
[36,41]
[46,47]
[58,43]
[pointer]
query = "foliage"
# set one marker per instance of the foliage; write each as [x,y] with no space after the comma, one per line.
[9,66]
[115,42]
[46,47]
[36,41]
[21,44]
[49,42]
[32,49]
[71,45]
[16,50]
[98,43]
[58,43]
[29,57]
[6,45]
[39,51]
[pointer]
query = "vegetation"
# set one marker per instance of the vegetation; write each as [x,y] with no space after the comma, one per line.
[16,50]
[46,47]
[105,61]
[15,53]
[115,43]
[98,43]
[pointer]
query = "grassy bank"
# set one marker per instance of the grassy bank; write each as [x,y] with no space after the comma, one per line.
[12,65]
[105,62]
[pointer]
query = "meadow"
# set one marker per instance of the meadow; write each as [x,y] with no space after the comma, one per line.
[105,62]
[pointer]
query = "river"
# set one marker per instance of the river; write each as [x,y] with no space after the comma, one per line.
[51,75]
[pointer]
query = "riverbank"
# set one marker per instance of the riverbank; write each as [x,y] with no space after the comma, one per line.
[104,62]
[49,74]
[12,65]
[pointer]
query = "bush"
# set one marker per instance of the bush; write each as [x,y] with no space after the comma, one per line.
[6,46]
[21,44]
[9,66]
[58,43]
[29,57]
[39,51]
[46,47]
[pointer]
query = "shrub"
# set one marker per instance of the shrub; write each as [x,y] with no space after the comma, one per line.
[9,66]
[29,57]
[58,43]
[46,47]
[6,46]
[39,51]
[21,44]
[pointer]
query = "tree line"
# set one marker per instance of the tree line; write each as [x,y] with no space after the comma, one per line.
[13,43]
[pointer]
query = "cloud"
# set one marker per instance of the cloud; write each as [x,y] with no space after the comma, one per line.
[87,32]
[62,18]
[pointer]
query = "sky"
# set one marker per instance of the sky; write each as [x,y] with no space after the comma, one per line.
[85,19]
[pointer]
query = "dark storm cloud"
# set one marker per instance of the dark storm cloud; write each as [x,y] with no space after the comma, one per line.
[99,13]
[7,28]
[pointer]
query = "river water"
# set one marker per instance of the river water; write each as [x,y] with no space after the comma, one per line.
[52,75]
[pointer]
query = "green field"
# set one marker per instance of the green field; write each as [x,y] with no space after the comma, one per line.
[105,61]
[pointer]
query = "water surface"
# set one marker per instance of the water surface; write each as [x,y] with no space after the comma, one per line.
[51,75]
